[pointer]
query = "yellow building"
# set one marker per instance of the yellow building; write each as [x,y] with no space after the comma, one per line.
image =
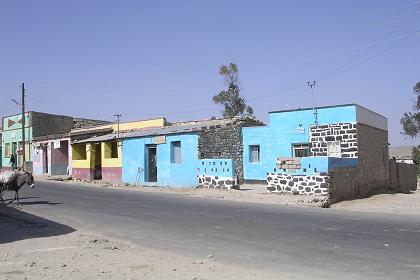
[97,158]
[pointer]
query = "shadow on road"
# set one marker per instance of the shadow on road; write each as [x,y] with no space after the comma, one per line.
[17,225]
[39,202]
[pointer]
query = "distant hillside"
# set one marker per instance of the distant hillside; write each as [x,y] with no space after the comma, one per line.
[401,151]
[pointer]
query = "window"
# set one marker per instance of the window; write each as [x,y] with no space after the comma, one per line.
[111,149]
[7,150]
[254,153]
[334,149]
[301,150]
[79,151]
[176,152]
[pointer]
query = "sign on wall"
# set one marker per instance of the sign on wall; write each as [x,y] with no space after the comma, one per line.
[57,144]
[160,139]
[299,130]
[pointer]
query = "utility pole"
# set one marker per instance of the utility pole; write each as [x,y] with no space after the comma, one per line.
[312,85]
[118,125]
[22,103]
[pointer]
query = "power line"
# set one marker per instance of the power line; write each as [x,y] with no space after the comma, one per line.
[373,46]
[118,125]
[377,54]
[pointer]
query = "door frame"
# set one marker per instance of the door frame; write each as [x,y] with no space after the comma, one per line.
[148,171]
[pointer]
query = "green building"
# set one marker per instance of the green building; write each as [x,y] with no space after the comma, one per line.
[36,124]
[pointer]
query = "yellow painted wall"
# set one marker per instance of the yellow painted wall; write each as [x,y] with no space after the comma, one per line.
[140,124]
[107,161]
[88,162]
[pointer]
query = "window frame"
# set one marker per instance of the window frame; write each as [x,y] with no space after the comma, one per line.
[258,150]
[7,150]
[301,147]
[176,158]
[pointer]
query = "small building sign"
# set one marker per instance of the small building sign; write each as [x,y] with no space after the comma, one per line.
[57,144]
[299,130]
[160,139]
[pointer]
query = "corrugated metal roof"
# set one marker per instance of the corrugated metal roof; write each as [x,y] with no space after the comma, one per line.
[172,129]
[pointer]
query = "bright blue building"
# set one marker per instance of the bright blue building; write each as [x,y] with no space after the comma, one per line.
[161,160]
[293,133]
[185,154]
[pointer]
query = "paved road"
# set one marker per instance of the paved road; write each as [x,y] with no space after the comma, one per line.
[316,243]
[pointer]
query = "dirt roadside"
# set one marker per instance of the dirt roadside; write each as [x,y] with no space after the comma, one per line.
[35,248]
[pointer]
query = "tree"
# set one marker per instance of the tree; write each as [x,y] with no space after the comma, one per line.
[234,104]
[411,125]
[411,120]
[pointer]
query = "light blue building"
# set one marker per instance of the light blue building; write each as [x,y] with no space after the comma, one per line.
[161,160]
[184,154]
[332,143]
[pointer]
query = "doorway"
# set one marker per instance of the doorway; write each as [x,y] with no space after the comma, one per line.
[14,153]
[45,158]
[151,163]
[98,162]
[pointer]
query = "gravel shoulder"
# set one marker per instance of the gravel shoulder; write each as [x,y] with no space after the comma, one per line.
[386,203]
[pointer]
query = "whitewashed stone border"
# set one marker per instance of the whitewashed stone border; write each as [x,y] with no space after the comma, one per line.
[298,184]
[216,182]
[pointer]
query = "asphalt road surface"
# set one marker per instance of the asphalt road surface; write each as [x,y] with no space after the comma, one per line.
[310,242]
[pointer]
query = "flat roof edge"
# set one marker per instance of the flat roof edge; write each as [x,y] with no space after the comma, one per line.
[311,108]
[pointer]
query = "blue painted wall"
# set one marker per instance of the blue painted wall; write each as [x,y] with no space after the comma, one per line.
[317,165]
[216,167]
[284,129]
[183,174]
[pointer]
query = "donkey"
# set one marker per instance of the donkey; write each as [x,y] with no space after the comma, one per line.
[13,181]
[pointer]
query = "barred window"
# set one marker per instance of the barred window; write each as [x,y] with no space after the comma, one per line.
[301,150]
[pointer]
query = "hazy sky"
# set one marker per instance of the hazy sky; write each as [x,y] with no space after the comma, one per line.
[146,59]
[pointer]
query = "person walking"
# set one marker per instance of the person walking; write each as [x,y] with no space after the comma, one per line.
[13,161]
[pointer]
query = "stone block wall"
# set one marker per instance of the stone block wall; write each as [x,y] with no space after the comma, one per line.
[403,176]
[342,184]
[298,184]
[220,142]
[46,124]
[216,182]
[373,165]
[345,133]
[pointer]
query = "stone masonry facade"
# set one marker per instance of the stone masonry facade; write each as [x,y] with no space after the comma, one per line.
[298,184]
[372,172]
[225,142]
[345,133]
[373,163]
[216,182]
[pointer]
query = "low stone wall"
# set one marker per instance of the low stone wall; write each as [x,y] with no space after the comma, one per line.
[216,182]
[343,184]
[298,184]
[402,176]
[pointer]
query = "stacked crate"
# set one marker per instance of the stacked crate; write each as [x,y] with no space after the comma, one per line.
[290,164]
